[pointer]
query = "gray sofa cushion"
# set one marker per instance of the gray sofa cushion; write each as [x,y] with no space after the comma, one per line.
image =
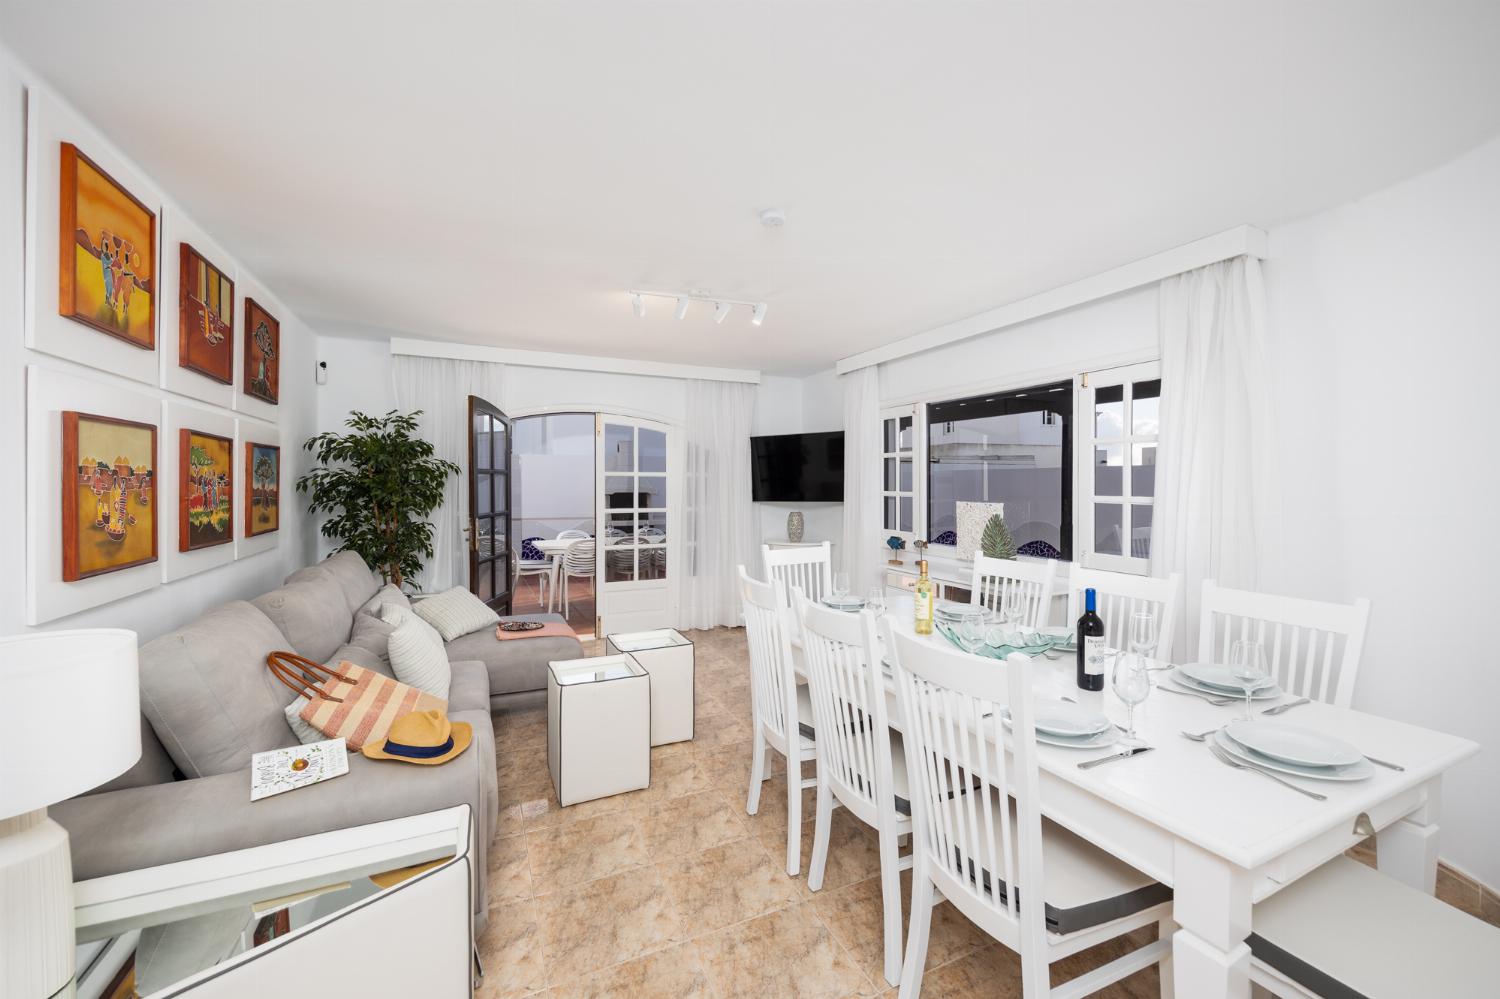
[518,664]
[387,594]
[374,634]
[361,656]
[470,690]
[355,579]
[154,766]
[311,612]
[207,693]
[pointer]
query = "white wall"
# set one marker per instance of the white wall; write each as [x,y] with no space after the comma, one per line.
[163,607]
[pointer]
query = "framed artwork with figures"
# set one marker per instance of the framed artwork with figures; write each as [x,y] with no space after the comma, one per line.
[106,274]
[262,488]
[205,321]
[262,345]
[205,497]
[108,510]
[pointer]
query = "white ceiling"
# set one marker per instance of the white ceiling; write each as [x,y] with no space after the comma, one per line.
[500,173]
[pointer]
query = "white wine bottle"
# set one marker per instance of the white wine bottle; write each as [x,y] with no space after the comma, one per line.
[922,597]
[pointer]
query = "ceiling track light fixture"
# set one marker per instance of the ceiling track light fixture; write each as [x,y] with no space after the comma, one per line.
[722,306]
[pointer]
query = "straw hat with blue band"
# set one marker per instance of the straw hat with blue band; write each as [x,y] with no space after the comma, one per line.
[423,737]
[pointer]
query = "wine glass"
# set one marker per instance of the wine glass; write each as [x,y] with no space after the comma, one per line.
[841,585]
[971,631]
[875,600]
[1132,684]
[1143,633]
[1247,664]
[994,632]
[1013,609]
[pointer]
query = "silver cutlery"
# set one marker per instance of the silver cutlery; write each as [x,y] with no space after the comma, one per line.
[1199,736]
[1383,763]
[1133,751]
[1210,698]
[1228,760]
[1289,705]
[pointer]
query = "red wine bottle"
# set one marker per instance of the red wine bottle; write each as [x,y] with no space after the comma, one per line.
[1090,646]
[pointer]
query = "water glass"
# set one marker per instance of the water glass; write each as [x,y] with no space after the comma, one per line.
[841,584]
[875,600]
[1143,633]
[971,631]
[1247,664]
[1013,607]
[1132,684]
[994,632]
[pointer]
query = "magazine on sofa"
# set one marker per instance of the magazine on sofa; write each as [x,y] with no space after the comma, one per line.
[287,769]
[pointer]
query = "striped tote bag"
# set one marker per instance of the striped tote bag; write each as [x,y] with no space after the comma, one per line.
[351,703]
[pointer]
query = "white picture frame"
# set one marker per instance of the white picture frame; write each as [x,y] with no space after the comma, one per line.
[259,432]
[247,287]
[176,417]
[177,227]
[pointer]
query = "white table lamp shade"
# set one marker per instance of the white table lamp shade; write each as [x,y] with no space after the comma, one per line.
[69,714]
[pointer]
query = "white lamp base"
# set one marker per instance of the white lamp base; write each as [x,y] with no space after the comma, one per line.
[36,907]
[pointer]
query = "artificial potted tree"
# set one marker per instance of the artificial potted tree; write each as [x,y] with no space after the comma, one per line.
[378,483]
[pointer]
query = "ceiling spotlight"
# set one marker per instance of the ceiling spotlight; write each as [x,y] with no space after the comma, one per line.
[721,310]
[638,305]
[773,218]
[758,314]
[682,304]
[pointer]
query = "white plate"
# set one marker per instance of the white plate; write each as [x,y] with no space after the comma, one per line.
[1108,737]
[1292,744]
[1354,771]
[1218,675]
[1187,682]
[1068,719]
[844,603]
[953,612]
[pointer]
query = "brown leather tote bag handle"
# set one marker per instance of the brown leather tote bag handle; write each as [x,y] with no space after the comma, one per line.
[294,671]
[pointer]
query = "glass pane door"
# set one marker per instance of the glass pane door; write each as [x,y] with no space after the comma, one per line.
[635,534]
[489,504]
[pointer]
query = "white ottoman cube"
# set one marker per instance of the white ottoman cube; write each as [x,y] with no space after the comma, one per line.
[598,727]
[668,657]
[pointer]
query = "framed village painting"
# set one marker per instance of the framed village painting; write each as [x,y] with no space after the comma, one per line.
[106,275]
[205,321]
[262,488]
[262,344]
[108,511]
[205,497]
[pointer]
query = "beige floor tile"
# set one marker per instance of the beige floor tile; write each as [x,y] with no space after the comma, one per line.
[671,777]
[728,765]
[719,728]
[726,884]
[606,922]
[510,950]
[544,812]
[690,824]
[786,953]
[674,973]
[509,869]
[509,822]
[521,788]
[853,851]
[856,915]
[586,850]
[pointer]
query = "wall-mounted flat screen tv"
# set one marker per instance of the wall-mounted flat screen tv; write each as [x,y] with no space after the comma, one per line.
[798,468]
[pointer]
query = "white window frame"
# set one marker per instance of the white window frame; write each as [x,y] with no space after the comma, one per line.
[915,453]
[1085,443]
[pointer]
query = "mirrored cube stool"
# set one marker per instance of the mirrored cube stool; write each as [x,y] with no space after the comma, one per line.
[598,727]
[668,657]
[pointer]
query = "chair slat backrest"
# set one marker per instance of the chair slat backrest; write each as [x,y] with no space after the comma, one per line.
[1312,647]
[1119,595]
[949,709]
[773,685]
[849,708]
[578,560]
[809,569]
[995,577]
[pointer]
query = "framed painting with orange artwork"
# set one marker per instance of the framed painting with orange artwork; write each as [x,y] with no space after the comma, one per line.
[262,488]
[205,491]
[106,274]
[108,511]
[262,344]
[205,320]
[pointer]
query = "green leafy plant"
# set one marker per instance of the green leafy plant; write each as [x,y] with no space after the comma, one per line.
[379,484]
[996,541]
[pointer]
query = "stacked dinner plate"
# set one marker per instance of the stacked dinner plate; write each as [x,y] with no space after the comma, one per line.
[1216,679]
[951,613]
[847,602]
[1063,723]
[1291,749]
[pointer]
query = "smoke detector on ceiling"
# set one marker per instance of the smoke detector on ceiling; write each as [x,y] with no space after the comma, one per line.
[773,218]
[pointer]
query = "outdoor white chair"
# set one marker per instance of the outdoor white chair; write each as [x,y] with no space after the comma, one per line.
[521,568]
[1033,581]
[990,852]
[1312,647]
[571,533]
[1121,594]
[861,762]
[780,708]
[809,569]
[578,561]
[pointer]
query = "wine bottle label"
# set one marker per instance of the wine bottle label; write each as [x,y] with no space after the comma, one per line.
[1093,655]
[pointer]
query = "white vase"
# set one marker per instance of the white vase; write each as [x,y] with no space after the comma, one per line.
[794,526]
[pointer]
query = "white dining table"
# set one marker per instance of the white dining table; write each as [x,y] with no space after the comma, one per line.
[555,549]
[1225,839]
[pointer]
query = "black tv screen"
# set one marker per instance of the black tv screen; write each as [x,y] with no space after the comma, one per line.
[798,468]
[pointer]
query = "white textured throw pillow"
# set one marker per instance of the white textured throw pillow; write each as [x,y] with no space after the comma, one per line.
[417,655]
[456,612]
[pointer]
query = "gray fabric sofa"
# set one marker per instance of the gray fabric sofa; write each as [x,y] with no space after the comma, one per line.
[208,703]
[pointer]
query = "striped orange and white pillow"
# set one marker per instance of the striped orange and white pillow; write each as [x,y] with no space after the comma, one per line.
[366,708]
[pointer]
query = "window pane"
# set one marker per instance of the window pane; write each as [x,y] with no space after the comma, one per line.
[905,475]
[653,562]
[1140,530]
[619,524]
[619,491]
[1107,528]
[619,448]
[652,527]
[1143,469]
[486,580]
[1109,411]
[653,450]
[619,563]
[651,491]
[889,522]
[500,444]
[890,475]
[482,491]
[482,443]
[905,513]
[1145,407]
[903,438]
[1108,479]
[889,435]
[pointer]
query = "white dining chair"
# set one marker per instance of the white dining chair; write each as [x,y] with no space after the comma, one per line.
[781,713]
[1312,647]
[1121,594]
[992,854]
[861,762]
[809,568]
[571,534]
[540,569]
[1347,930]
[578,562]
[995,577]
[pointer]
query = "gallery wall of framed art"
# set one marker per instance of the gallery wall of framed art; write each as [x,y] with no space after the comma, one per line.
[262,487]
[200,463]
[257,387]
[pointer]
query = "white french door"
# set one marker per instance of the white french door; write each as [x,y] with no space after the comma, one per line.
[638,535]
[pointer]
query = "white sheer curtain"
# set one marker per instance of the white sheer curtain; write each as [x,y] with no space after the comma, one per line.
[717,514]
[1215,472]
[861,477]
[440,387]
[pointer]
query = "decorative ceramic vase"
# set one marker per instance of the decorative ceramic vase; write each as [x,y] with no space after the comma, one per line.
[794,526]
